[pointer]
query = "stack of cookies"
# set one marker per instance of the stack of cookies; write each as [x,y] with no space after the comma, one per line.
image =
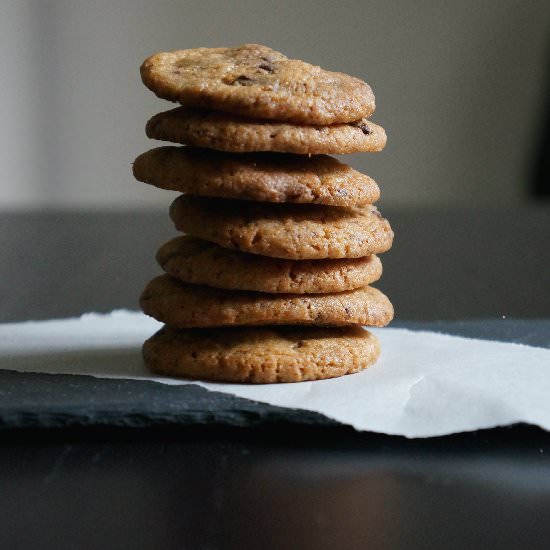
[271,281]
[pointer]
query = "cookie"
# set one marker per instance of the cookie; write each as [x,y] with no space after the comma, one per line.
[203,263]
[268,177]
[260,355]
[257,82]
[183,305]
[291,231]
[227,132]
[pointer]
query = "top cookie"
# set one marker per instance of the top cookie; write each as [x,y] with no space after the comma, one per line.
[257,82]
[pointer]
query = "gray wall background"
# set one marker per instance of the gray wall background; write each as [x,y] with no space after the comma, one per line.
[459,89]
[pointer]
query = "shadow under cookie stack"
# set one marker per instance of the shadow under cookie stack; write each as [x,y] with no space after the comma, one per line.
[271,280]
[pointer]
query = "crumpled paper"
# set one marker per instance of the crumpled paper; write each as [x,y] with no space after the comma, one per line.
[425,384]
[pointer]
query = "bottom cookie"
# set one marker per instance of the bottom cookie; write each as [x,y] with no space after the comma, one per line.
[260,355]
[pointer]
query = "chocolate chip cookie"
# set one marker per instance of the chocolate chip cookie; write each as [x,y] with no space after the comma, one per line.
[291,231]
[203,263]
[182,305]
[268,177]
[257,82]
[260,355]
[228,132]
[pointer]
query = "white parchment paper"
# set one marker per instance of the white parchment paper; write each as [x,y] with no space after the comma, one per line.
[424,384]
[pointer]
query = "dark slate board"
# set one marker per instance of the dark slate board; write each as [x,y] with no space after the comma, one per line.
[60,400]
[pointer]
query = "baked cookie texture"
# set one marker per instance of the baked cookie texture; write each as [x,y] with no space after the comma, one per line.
[271,281]
[183,305]
[200,262]
[228,132]
[291,231]
[264,177]
[261,355]
[257,82]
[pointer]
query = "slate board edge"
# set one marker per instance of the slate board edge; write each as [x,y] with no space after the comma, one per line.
[159,404]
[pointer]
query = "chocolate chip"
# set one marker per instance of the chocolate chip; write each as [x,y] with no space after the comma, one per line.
[243,80]
[365,129]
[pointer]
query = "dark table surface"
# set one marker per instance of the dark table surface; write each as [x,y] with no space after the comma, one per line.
[279,482]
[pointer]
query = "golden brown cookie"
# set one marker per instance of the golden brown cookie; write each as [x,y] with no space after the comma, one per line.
[260,355]
[183,305]
[268,177]
[203,263]
[227,132]
[291,231]
[257,82]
